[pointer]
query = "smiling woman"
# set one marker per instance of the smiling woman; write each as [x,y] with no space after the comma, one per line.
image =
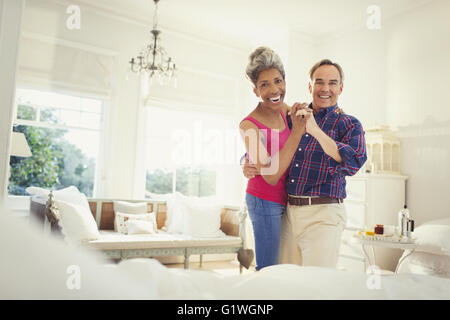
[270,145]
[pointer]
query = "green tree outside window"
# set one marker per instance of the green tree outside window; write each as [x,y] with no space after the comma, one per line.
[55,162]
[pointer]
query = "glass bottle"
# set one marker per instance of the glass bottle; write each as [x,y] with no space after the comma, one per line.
[403,218]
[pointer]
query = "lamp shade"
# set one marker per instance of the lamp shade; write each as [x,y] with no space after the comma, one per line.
[19,145]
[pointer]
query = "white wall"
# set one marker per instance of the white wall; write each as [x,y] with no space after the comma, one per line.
[398,76]
[362,55]
[303,53]
[10,24]
[418,71]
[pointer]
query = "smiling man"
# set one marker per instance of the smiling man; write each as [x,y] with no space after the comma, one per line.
[332,148]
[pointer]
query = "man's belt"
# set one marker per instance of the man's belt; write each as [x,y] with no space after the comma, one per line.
[308,201]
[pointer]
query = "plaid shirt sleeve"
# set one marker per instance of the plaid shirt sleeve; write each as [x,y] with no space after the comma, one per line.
[352,149]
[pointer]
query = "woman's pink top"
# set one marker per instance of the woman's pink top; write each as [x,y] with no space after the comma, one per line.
[257,186]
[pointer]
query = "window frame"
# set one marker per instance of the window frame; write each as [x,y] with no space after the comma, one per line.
[104,124]
[175,107]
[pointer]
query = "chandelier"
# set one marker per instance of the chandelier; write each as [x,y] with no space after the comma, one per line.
[151,61]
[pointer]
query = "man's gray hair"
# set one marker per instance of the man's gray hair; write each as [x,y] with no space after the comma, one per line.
[326,62]
[263,58]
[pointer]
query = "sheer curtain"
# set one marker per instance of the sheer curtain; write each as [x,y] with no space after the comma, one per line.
[65,65]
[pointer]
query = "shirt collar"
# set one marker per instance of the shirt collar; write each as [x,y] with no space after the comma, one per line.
[325,111]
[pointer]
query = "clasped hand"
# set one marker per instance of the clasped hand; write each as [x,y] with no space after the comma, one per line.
[303,119]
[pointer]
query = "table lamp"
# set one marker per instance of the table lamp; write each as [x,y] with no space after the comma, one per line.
[19,145]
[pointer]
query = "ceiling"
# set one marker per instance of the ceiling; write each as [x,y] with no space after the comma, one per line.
[241,21]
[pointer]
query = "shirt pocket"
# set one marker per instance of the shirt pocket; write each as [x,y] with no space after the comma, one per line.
[313,154]
[318,166]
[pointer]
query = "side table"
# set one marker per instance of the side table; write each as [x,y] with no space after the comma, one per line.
[395,243]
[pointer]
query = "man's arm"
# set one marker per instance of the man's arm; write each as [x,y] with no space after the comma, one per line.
[328,145]
[346,156]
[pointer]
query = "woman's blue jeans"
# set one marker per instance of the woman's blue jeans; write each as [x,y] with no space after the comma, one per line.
[266,220]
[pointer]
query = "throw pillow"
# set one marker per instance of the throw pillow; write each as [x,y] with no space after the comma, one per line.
[77,222]
[176,210]
[122,218]
[70,194]
[425,263]
[128,207]
[433,237]
[174,222]
[201,219]
[140,227]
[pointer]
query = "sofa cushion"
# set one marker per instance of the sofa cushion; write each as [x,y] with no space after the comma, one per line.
[140,226]
[70,194]
[436,265]
[201,219]
[180,205]
[123,218]
[110,240]
[433,237]
[76,222]
[128,207]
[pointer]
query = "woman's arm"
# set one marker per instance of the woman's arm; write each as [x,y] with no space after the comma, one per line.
[272,168]
[286,109]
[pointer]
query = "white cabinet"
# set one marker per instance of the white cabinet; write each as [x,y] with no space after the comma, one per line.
[371,199]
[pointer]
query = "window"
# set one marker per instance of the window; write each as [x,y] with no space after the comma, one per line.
[184,151]
[64,134]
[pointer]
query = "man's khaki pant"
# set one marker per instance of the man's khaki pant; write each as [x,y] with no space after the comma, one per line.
[311,235]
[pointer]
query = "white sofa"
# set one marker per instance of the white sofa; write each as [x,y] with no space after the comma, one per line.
[116,245]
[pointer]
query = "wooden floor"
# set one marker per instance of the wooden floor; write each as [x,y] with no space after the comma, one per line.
[226,268]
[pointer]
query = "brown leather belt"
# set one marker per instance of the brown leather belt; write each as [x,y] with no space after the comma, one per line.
[296,201]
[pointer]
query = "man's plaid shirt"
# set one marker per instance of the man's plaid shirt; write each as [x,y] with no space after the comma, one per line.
[313,172]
